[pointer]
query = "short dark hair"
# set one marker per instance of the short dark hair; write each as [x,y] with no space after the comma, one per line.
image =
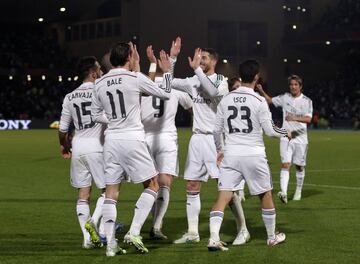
[231,83]
[296,78]
[213,54]
[85,65]
[248,70]
[119,54]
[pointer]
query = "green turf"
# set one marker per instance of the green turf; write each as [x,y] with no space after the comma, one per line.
[39,224]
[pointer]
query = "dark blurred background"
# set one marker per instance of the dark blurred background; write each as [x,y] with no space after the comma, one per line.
[41,41]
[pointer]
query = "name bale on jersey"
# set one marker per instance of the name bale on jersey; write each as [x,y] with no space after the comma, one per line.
[114,81]
[75,95]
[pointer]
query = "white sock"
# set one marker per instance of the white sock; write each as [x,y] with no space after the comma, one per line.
[161,206]
[237,210]
[102,227]
[109,217]
[242,185]
[98,210]
[216,218]
[284,180]
[83,214]
[193,207]
[142,209]
[300,175]
[269,218]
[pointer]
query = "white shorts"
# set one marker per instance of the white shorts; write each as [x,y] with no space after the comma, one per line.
[201,159]
[127,158]
[255,170]
[164,151]
[86,167]
[293,152]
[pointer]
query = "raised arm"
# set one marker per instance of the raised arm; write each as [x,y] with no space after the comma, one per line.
[261,91]
[268,125]
[153,62]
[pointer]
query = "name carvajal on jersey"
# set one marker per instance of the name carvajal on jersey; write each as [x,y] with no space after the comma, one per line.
[79,94]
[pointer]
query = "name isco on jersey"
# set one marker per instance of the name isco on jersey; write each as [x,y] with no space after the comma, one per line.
[239,99]
[114,81]
[80,95]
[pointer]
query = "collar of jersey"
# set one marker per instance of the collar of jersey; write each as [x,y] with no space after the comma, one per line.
[86,85]
[245,88]
[299,97]
[117,70]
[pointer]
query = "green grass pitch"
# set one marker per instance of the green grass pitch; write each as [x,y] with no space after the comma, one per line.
[38,222]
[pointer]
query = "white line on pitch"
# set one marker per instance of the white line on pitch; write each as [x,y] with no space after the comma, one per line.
[327,186]
[331,170]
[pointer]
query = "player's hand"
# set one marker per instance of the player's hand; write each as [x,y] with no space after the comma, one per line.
[175,48]
[289,135]
[195,62]
[164,62]
[135,58]
[219,158]
[290,118]
[259,89]
[65,152]
[150,54]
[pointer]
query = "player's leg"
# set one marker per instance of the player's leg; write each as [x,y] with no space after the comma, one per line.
[243,235]
[161,205]
[114,174]
[141,169]
[83,214]
[216,218]
[286,152]
[269,218]
[300,162]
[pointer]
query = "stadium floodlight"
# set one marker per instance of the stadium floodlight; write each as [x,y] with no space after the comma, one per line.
[304,10]
[299,8]
[69,79]
[62,9]
[76,78]
[327,42]
[40,19]
[284,6]
[294,27]
[43,77]
[60,78]
[289,9]
[11,77]
[298,60]
[258,42]
[28,77]
[225,61]
[285,60]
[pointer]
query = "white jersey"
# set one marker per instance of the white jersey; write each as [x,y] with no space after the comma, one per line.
[206,93]
[118,93]
[242,115]
[76,110]
[298,106]
[158,116]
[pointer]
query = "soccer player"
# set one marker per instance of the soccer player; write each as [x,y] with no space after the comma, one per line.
[234,83]
[87,147]
[158,118]
[125,152]
[297,113]
[243,115]
[206,88]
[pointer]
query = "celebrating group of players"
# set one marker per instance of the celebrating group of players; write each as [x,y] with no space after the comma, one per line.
[125,132]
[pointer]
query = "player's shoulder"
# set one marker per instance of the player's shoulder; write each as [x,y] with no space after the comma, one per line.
[306,98]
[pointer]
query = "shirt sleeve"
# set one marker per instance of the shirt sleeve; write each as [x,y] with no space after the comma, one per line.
[185,100]
[65,119]
[97,109]
[278,100]
[219,129]
[149,87]
[267,124]
[309,112]
[219,88]
[182,85]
